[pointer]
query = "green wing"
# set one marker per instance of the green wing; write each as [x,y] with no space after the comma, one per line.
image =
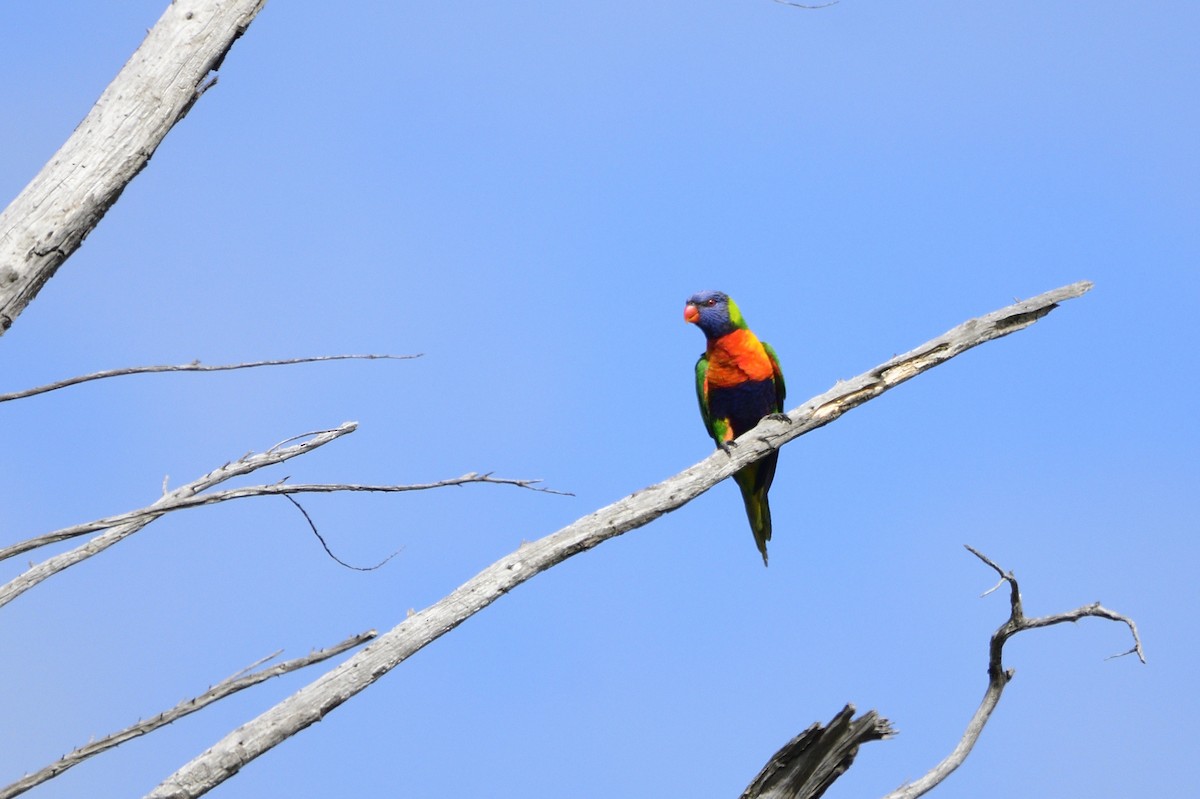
[702,394]
[780,388]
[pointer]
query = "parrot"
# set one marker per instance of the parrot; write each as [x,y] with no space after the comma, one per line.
[738,382]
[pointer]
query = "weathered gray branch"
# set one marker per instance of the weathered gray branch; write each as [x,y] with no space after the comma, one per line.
[194,366]
[49,219]
[809,763]
[231,685]
[249,463]
[124,525]
[177,501]
[311,703]
[999,677]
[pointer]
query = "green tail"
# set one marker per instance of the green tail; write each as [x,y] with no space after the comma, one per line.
[754,493]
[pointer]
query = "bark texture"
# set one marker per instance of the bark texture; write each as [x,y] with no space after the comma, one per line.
[156,88]
[809,763]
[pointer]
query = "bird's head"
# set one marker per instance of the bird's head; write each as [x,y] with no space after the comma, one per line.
[714,312]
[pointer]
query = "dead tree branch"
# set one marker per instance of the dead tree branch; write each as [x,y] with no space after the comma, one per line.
[311,703]
[238,682]
[181,501]
[999,677]
[189,496]
[194,366]
[244,465]
[155,89]
[809,763]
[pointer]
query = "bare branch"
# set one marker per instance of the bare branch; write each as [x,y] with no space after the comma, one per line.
[999,677]
[807,7]
[181,499]
[231,685]
[311,703]
[249,463]
[809,763]
[194,366]
[48,221]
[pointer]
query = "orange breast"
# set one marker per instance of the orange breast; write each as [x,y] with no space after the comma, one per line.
[736,358]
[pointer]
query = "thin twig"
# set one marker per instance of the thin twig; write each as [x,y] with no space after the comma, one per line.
[1098,611]
[264,659]
[182,498]
[999,676]
[993,589]
[805,6]
[244,679]
[194,366]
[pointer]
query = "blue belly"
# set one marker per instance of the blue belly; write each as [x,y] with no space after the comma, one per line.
[743,405]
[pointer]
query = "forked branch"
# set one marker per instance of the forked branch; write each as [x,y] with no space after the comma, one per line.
[999,676]
[176,501]
[118,532]
[812,760]
[119,527]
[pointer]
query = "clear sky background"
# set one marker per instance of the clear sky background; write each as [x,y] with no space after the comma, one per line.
[527,193]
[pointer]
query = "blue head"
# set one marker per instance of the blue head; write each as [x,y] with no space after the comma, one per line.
[714,312]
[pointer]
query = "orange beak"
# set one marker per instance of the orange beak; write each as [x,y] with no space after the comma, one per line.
[691,314]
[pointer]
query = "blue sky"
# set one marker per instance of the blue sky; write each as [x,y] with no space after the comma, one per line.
[527,194]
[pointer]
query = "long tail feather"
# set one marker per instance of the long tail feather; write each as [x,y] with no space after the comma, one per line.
[754,495]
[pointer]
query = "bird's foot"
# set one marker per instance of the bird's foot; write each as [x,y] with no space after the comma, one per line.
[727,447]
[779,417]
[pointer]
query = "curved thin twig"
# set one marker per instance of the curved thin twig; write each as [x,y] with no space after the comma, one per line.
[194,366]
[313,526]
[999,677]
[244,679]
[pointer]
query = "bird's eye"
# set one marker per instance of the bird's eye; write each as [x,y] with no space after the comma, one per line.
[710,302]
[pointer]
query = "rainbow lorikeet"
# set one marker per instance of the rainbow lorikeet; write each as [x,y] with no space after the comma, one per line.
[738,382]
